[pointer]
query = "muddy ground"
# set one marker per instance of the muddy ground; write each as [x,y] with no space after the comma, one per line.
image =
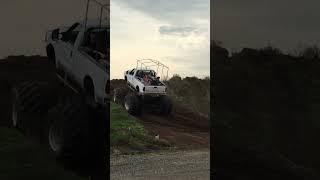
[184,128]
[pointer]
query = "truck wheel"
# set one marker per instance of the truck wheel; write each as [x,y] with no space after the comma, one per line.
[165,105]
[30,102]
[132,104]
[119,95]
[66,131]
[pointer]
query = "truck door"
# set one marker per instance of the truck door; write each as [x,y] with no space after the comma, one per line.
[131,74]
[68,47]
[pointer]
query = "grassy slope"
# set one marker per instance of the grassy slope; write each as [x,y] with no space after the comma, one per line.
[21,159]
[128,136]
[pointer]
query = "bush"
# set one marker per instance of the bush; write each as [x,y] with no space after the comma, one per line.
[265,98]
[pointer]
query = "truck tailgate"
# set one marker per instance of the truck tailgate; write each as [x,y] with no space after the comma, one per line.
[155,89]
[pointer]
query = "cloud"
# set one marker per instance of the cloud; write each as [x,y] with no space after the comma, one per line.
[177,31]
[284,23]
[141,30]
[171,10]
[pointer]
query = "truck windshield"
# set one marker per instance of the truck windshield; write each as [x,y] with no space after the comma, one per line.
[150,73]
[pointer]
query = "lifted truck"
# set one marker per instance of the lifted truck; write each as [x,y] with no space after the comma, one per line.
[71,116]
[146,90]
[80,63]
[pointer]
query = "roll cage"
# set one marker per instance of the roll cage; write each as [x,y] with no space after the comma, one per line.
[150,64]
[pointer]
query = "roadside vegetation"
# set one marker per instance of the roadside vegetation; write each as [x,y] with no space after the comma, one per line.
[21,159]
[191,93]
[266,112]
[128,136]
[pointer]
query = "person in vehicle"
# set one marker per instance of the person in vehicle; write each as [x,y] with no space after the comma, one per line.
[146,80]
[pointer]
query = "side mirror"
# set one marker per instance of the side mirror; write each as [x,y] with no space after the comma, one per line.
[55,34]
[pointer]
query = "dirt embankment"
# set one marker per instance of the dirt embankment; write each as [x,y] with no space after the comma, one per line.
[15,69]
[184,128]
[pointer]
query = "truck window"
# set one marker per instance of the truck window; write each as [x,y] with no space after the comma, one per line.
[139,74]
[96,40]
[71,34]
[73,37]
[132,72]
[154,74]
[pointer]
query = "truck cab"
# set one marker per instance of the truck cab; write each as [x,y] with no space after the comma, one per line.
[81,56]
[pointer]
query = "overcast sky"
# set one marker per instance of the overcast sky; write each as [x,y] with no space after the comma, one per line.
[286,24]
[24,23]
[174,32]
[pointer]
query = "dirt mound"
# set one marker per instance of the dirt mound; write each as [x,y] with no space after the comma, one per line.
[184,128]
[116,83]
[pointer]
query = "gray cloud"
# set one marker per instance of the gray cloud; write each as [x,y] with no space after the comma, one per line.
[284,24]
[25,23]
[176,11]
[177,30]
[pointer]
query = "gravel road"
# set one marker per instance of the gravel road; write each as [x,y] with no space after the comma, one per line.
[173,165]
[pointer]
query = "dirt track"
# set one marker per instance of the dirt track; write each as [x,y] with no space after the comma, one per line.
[184,128]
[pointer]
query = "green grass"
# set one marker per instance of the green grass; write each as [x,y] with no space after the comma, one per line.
[129,136]
[22,159]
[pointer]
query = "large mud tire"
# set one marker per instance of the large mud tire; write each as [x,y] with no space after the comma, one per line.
[76,134]
[30,102]
[165,106]
[66,131]
[132,104]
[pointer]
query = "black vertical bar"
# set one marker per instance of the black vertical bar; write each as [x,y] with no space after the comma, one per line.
[100,16]
[86,19]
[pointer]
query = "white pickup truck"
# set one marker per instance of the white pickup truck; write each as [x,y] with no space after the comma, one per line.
[147,91]
[79,53]
[145,82]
